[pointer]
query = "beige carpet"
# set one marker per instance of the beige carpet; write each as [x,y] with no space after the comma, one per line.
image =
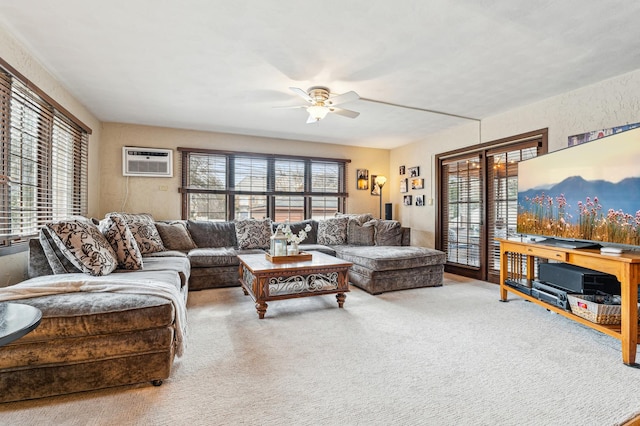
[450,355]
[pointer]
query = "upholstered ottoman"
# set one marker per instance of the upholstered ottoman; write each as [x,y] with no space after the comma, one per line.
[379,269]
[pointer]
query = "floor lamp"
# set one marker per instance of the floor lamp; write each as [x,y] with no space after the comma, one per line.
[380,181]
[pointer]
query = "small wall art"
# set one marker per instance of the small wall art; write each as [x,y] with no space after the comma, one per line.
[402,170]
[375,189]
[362,179]
[420,200]
[404,185]
[417,183]
[407,200]
[414,171]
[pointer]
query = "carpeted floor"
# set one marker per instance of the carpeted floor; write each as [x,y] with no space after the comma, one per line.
[450,355]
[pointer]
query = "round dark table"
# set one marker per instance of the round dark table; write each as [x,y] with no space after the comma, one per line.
[16,320]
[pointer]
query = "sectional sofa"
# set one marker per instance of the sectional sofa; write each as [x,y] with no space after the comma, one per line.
[113,292]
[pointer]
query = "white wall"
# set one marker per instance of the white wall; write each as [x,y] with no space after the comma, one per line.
[13,268]
[606,104]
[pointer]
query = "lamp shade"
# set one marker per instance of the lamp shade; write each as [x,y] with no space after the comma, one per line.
[318,112]
[381,180]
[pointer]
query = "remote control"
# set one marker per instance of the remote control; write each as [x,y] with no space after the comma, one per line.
[611,250]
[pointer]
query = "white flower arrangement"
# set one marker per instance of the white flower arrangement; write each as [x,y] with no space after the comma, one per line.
[296,239]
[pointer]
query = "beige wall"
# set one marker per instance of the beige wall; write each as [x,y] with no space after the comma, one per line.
[160,197]
[13,267]
[606,104]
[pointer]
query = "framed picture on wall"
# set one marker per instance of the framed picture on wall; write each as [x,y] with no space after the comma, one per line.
[402,170]
[362,179]
[414,171]
[407,200]
[420,200]
[404,185]
[417,183]
[375,189]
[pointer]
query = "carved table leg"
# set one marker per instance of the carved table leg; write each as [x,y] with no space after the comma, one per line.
[261,307]
[341,298]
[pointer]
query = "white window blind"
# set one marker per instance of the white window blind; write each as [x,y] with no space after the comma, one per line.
[43,172]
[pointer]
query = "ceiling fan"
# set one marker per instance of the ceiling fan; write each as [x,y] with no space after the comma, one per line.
[321,102]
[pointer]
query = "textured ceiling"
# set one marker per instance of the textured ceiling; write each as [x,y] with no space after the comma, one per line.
[223,65]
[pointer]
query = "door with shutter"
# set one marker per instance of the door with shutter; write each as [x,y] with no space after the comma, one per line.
[478,195]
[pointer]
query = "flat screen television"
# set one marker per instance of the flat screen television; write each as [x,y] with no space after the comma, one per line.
[586,193]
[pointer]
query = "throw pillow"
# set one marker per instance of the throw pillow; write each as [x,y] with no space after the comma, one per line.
[144,231]
[388,233]
[333,231]
[122,241]
[253,234]
[175,236]
[361,235]
[83,244]
[57,261]
[360,218]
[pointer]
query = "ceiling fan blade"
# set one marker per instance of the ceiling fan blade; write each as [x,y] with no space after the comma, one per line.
[304,95]
[343,99]
[290,107]
[344,112]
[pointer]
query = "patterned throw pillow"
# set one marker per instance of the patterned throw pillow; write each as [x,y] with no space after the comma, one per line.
[57,261]
[144,231]
[83,244]
[253,234]
[175,236]
[333,231]
[117,232]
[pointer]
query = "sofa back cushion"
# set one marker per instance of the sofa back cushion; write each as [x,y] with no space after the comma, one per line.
[253,234]
[360,234]
[212,234]
[333,231]
[388,233]
[296,227]
[175,236]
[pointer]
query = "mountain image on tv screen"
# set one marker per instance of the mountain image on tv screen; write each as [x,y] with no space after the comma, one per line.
[587,192]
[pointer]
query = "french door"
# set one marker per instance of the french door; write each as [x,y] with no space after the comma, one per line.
[477,199]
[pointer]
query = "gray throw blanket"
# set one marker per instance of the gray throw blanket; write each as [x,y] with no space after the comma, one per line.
[155,283]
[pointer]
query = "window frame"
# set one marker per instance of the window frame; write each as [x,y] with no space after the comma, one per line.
[270,191]
[55,145]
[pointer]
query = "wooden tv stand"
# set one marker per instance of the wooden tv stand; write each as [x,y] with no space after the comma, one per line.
[625,266]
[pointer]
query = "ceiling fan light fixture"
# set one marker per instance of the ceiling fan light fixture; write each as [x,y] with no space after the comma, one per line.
[317,112]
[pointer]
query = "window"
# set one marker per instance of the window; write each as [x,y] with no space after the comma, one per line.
[228,185]
[43,167]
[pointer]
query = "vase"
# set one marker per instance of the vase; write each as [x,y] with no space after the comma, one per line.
[293,249]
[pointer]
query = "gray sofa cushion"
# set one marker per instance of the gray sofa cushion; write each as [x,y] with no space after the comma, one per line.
[175,236]
[317,247]
[58,262]
[212,234]
[360,234]
[214,256]
[386,258]
[388,233]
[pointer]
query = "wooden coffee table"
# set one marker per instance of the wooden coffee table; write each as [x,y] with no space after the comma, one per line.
[265,281]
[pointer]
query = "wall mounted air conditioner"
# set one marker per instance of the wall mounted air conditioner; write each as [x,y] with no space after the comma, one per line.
[149,162]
